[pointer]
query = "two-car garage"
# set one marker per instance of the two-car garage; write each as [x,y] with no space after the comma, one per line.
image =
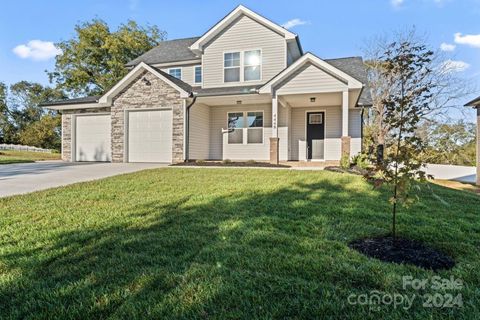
[148,136]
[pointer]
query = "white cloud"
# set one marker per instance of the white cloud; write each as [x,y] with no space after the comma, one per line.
[37,50]
[294,22]
[447,47]
[396,3]
[449,66]
[472,40]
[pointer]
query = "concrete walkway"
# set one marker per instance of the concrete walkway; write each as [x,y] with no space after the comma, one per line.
[28,177]
[450,172]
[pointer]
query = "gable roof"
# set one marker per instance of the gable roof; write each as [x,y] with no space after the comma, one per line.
[355,67]
[183,88]
[167,51]
[474,103]
[197,46]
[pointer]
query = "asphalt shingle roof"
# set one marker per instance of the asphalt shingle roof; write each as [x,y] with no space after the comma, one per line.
[474,103]
[92,99]
[167,51]
[354,67]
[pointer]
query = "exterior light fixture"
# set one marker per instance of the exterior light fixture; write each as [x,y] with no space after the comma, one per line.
[312,99]
[239,101]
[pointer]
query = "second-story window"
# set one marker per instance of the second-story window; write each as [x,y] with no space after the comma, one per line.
[198,74]
[252,61]
[176,72]
[231,65]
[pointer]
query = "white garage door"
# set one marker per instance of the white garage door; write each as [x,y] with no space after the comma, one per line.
[150,136]
[92,138]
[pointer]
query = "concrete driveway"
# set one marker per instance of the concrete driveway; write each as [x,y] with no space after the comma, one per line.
[450,172]
[28,177]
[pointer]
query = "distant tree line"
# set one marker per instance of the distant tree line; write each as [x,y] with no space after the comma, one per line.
[91,62]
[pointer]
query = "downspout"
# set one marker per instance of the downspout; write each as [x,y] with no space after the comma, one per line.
[361,128]
[187,127]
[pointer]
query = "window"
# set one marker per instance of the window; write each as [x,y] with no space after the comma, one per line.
[252,122]
[315,118]
[252,65]
[255,127]
[176,72]
[231,65]
[235,124]
[198,74]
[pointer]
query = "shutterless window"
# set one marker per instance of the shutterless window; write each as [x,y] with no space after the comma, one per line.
[315,118]
[235,124]
[254,127]
[231,67]
[176,72]
[252,65]
[198,74]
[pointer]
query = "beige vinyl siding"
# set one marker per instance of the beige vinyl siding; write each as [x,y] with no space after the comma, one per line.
[333,131]
[219,147]
[199,136]
[243,34]
[310,79]
[188,73]
[355,131]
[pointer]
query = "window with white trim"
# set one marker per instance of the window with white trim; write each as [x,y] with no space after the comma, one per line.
[235,126]
[198,74]
[245,127]
[252,65]
[231,67]
[242,66]
[175,72]
[255,127]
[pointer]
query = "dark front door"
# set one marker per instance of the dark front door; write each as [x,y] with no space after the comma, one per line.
[315,135]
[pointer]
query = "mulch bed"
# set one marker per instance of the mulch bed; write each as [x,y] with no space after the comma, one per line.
[231,164]
[403,250]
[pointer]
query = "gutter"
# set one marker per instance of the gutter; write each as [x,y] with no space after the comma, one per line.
[187,127]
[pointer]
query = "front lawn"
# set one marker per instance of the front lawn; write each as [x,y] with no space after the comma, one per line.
[225,243]
[12,156]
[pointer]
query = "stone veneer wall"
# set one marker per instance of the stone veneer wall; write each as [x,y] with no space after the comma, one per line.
[140,95]
[67,116]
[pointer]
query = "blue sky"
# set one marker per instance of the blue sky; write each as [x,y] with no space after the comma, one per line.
[327,28]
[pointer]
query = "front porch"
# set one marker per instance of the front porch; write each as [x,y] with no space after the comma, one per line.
[255,127]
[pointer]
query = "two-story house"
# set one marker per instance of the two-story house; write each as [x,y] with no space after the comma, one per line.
[244,90]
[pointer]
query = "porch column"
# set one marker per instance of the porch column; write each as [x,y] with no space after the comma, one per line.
[274,138]
[345,136]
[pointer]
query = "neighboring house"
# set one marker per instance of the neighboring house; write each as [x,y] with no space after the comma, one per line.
[476,104]
[244,90]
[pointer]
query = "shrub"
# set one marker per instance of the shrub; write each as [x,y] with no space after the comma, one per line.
[361,160]
[227,161]
[200,161]
[345,162]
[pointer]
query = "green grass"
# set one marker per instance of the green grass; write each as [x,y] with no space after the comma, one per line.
[223,243]
[11,156]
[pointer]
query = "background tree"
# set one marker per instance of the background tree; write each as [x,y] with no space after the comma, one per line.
[449,142]
[447,92]
[21,117]
[94,59]
[406,70]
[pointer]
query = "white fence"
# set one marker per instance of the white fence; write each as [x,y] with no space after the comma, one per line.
[19,147]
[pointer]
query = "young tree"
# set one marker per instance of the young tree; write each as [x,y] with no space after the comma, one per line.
[94,59]
[406,69]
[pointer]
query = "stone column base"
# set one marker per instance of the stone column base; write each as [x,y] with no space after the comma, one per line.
[346,142]
[274,150]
